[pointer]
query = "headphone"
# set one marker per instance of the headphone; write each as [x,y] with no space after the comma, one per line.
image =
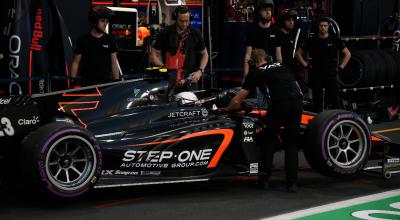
[288,13]
[182,9]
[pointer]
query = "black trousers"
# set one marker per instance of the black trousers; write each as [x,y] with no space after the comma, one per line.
[324,79]
[285,114]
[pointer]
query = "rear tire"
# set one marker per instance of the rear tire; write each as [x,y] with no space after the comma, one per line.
[338,143]
[62,159]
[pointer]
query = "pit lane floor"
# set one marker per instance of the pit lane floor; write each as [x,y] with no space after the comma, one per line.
[234,198]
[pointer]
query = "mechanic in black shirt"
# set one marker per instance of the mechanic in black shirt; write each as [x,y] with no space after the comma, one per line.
[262,34]
[181,49]
[323,51]
[96,52]
[287,35]
[285,110]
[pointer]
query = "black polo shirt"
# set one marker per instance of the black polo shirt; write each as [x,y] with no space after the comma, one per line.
[287,42]
[168,41]
[279,80]
[96,58]
[323,52]
[263,38]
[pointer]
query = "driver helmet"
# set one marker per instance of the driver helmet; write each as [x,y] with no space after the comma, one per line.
[186,97]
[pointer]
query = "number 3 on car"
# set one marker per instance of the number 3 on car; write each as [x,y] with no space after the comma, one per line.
[6,127]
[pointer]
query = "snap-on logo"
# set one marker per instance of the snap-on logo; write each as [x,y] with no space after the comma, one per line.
[35,120]
[5,101]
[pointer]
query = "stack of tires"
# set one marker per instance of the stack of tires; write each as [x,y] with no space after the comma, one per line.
[371,68]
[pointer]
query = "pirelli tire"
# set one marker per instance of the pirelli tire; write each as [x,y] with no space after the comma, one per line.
[62,159]
[338,143]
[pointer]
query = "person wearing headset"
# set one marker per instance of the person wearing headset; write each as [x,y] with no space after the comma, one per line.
[323,66]
[181,49]
[290,37]
[263,34]
[96,52]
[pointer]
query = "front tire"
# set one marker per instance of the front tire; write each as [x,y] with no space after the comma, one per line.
[338,143]
[63,159]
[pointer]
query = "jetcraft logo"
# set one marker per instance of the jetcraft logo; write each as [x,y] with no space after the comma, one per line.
[5,101]
[184,114]
[35,120]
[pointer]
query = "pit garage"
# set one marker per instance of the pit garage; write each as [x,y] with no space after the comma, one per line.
[131,149]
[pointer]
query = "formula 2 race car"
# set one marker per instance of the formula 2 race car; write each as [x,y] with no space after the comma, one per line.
[134,133]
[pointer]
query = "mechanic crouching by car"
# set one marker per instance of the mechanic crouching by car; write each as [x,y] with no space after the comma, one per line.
[181,49]
[285,110]
[96,52]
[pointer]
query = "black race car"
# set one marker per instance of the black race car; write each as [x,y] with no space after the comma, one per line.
[135,133]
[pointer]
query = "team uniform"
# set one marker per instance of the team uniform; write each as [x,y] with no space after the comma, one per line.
[263,38]
[285,110]
[96,58]
[323,54]
[180,52]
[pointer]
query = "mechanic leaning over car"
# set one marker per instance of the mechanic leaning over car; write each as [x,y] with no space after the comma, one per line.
[181,49]
[96,52]
[284,110]
[262,34]
[323,66]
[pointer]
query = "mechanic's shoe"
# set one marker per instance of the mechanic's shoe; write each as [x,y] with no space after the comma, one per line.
[293,188]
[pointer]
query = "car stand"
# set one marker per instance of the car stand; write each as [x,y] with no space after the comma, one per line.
[387,166]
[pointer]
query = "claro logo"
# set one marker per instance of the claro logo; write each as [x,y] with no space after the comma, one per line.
[35,120]
[14,47]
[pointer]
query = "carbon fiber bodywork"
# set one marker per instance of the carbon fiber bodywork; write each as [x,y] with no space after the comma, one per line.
[145,137]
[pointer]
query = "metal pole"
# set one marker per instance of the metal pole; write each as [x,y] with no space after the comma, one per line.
[295,42]
[210,45]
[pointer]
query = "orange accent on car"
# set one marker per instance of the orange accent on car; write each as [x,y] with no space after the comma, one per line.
[305,119]
[373,138]
[92,106]
[259,112]
[228,134]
